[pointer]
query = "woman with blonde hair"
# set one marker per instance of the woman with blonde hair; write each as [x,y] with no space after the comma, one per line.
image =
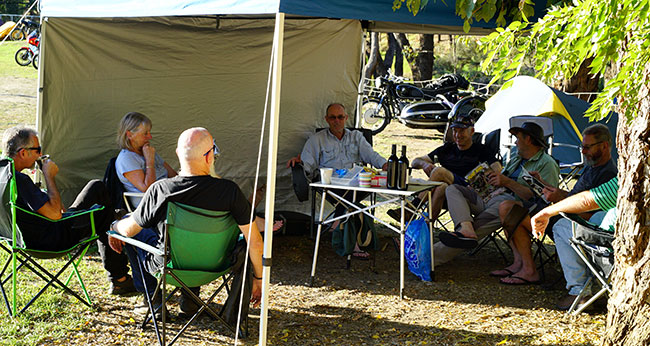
[138,166]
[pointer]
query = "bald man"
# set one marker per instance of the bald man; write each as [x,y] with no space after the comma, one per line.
[196,186]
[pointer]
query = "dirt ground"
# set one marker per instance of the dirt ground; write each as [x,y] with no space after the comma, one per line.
[356,306]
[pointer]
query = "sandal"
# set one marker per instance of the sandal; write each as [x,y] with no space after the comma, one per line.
[457,240]
[361,255]
[501,273]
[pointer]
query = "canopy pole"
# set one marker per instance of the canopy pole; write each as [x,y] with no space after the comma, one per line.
[278,39]
[357,111]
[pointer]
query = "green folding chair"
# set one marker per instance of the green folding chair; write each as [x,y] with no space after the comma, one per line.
[20,257]
[198,248]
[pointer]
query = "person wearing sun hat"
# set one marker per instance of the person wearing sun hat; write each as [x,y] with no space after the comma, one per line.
[472,216]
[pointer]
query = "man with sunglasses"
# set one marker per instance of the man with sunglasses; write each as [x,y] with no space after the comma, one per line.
[337,147]
[21,144]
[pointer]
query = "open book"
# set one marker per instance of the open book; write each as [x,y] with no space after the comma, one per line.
[478,180]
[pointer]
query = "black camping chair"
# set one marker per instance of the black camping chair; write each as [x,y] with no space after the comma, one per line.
[119,196]
[20,256]
[594,246]
[301,182]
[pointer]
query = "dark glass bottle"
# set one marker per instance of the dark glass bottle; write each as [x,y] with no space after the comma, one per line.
[391,181]
[402,170]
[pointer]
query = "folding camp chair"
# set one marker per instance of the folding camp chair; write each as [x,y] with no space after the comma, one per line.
[20,256]
[121,198]
[594,246]
[198,248]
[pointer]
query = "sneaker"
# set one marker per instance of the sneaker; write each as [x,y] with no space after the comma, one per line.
[565,302]
[396,214]
[186,304]
[122,288]
[142,309]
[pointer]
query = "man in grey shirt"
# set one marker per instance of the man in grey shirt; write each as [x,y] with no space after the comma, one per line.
[336,147]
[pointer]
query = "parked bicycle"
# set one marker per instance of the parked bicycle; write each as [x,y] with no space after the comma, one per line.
[392,95]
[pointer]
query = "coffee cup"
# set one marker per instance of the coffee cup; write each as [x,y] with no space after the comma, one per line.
[326,175]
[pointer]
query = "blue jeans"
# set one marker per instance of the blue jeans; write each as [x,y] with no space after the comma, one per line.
[575,270]
[137,258]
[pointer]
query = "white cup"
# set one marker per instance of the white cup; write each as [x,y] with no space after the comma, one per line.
[326,175]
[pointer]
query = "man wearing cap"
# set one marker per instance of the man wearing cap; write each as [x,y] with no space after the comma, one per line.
[600,168]
[473,216]
[450,162]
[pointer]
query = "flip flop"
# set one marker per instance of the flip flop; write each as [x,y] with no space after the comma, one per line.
[457,240]
[504,273]
[361,255]
[521,281]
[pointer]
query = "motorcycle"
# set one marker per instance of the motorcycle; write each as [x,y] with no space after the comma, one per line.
[29,55]
[393,95]
[23,28]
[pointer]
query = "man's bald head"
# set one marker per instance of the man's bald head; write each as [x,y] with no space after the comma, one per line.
[193,143]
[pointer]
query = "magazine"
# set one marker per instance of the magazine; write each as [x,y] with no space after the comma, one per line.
[535,185]
[478,180]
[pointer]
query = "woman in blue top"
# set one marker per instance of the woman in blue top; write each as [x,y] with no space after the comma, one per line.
[138,166]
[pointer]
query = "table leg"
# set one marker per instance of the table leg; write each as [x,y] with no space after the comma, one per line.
[318,232]
[313,211]
[431,221]
[401,251]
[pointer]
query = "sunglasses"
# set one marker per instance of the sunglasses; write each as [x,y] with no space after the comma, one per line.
[37,149]
[215,150]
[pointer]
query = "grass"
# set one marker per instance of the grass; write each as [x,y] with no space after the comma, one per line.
[54,314]
[18,92]
[9,67]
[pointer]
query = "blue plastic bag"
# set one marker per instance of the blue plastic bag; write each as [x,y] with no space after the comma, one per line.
[417,249]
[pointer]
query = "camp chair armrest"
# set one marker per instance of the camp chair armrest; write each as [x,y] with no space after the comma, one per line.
[68,215]
[582,222]
[136,243]
[566,145]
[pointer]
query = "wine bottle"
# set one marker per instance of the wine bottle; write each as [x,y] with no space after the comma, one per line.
[391,181]
[402,170]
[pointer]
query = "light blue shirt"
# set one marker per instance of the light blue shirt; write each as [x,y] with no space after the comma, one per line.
[323,149]
[128,161]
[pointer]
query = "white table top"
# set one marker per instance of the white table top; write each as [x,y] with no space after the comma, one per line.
[412,188]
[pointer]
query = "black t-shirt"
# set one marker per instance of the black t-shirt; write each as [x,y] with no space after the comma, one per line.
[203,192]
[38,233]
[594,176]
[462,162]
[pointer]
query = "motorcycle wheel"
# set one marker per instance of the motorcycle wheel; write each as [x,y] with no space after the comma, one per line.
[35,61]
[374,116]
[18,35]
[24,56]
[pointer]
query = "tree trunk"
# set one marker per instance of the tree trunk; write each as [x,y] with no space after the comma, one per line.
[628,319]
[374,66]
[582,81]
[421,62]
[424,60]
[394,54]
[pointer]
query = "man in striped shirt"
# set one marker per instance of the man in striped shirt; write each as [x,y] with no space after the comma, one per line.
[576,273]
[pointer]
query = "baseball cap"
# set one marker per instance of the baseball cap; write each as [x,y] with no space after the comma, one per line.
[462,121]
